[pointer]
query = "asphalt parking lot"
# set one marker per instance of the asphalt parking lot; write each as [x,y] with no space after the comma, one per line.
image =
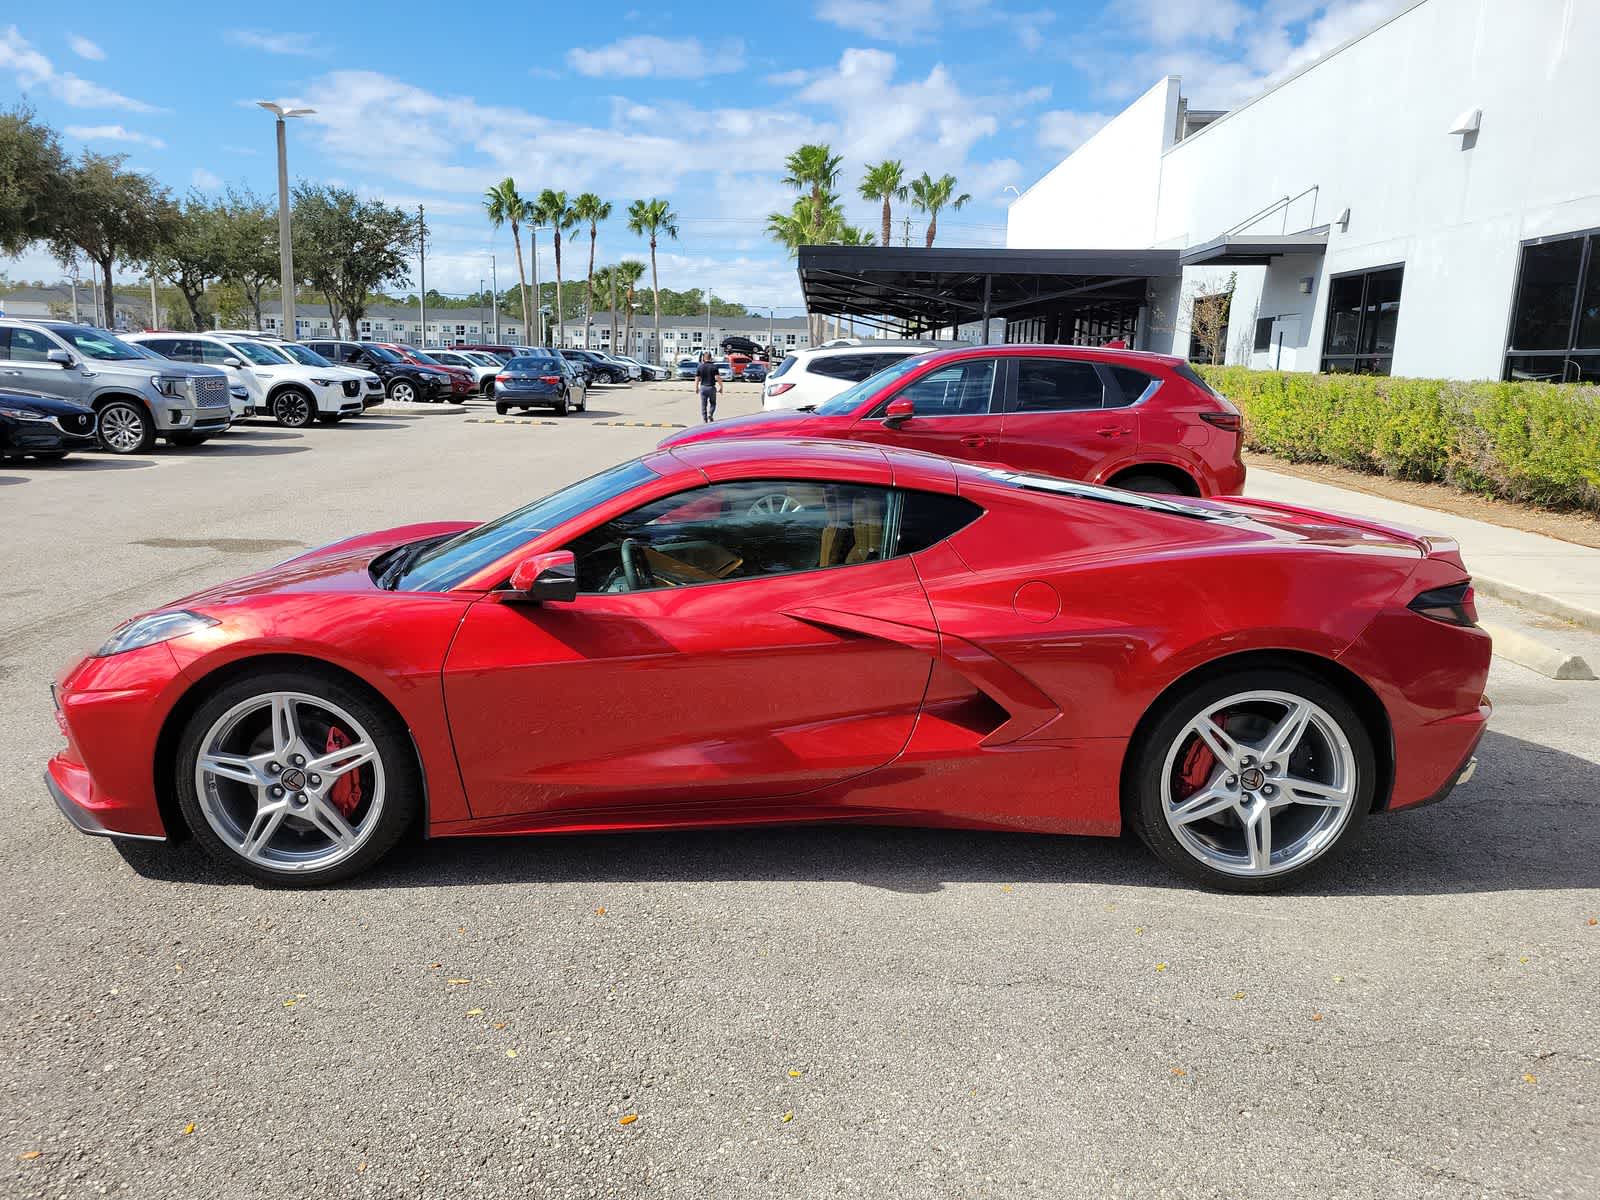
[821,1012]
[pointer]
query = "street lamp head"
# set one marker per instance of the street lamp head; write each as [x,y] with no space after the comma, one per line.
[283,111]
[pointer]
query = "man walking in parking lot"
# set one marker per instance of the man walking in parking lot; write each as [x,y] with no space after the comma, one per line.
[710,383]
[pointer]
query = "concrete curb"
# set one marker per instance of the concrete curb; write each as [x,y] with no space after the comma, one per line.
[390,408]
[1539,602]
[1528,651]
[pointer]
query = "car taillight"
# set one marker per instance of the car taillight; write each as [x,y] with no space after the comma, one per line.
[1232,422]
[778,389]
[502,379]
[549,379]
[1454,605]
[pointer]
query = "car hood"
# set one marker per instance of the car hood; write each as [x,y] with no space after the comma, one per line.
[43,404]
[340,567]
[153,367]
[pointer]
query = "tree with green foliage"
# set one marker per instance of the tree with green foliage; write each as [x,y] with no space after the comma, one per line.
[506,206]
[248,228]
[33,172]
[652,218]
[628,272]
[931,195]
[884,182]
[590,210]
[349,248]
[112,215]
[555,210]
[191,253]
[814,169]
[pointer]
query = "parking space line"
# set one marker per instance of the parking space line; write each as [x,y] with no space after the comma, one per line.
[507,421]
[642,424]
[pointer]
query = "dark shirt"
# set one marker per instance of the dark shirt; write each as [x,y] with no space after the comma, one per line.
[707,374]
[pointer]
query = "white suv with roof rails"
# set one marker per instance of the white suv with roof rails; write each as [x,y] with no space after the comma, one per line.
[277,385]
[806,378]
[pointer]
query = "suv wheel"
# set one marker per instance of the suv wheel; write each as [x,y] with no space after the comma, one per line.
[293,408]
[403,391]
[126,428]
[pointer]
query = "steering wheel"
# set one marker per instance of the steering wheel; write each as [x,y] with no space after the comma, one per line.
[634,567]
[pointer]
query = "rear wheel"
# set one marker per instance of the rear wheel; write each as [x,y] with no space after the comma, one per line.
[126,428]
[293,409]
[296,778]
[561,407]
[1250,781]
[502,407]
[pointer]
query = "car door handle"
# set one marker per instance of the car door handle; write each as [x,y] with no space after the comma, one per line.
[975,440]
[1113,431]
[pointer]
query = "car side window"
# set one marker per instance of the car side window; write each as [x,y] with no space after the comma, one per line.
[750,529]
[1128,386]
[30,346]
[212,354]
[1057,385]
[962,389]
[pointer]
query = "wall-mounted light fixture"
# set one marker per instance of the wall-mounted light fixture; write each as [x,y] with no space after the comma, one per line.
[1305,284]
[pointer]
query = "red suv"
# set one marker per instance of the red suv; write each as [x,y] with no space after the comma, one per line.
[1140,421]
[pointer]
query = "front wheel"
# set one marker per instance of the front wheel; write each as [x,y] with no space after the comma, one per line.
[401,391]
[1250,781]
[126,428]
[293,409]
[296,778]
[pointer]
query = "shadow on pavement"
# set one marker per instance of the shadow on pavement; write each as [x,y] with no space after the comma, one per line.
[1492,835]
[5,479]
[94,460]
[241,448]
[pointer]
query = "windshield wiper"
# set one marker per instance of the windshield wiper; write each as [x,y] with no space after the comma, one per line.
[397,566]
[806,408]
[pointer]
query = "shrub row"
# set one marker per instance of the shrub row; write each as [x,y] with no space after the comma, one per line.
[1538,443]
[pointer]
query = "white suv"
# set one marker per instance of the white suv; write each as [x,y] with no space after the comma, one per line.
[277,385]
[806,378]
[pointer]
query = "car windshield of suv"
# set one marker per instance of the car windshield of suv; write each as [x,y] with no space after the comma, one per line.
[379,353]
[257,353]
[439,567]
[95,343]
[304,355]
[847,401]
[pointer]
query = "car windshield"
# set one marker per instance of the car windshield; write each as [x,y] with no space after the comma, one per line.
[304,355]
[447,564]
[379,353]
[258,353]
[424,358]
[850,399]
[95,343]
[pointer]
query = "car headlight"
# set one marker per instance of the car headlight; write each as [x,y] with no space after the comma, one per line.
[169,385]
[239,392]
[23,414]
[324,382]
[157,627]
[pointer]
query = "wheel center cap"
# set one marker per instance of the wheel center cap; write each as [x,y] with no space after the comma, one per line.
[1251,779]
[294,779]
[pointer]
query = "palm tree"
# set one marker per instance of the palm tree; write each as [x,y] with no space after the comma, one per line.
[885,181]
[627,273]
[796,228]
[814,168]
[591,210]
[602,283]
[929,195]
[649,218]
[554,210]
[504,204]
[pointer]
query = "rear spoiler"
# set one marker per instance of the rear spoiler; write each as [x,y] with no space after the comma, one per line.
[1432,545]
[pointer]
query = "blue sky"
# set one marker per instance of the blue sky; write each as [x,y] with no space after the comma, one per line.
[698,103]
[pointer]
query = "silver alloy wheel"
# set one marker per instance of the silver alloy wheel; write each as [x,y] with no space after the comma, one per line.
[122,428]
[269,792]
[774,504]
[402,393]
[1279,790]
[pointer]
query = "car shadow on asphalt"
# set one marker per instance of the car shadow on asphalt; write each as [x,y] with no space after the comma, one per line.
[1490,836]
[239,448]
[8,479]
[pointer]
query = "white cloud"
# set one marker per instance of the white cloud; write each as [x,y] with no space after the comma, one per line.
[306,45]
[1066,130]
[113,133]
[33,69]
[886,20]
[1173,21]
[84,48]
[662,58]
[205,180]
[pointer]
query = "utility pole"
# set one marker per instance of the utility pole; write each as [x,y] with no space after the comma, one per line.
[536,335]
[494,287]
[905,231]
[482,319]
[285,244]
[74,289]
[155,314]
[422,277]
[708,319]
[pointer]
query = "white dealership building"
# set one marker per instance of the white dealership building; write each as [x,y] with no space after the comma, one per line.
[1424,200]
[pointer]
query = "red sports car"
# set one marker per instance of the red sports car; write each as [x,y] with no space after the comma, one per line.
[1126,419]
[756,632]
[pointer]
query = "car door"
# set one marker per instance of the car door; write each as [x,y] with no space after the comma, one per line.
[713,658]
[27,366]
[957,412]
[1059,420]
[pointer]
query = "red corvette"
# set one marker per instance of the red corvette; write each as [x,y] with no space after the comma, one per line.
[757,632]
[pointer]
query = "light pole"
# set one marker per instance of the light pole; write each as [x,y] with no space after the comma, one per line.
[285,249]
[494,287]
[538,311]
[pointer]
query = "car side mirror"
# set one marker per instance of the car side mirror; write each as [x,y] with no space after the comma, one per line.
[546,577]
[230,361]
[898,413]
[60,356]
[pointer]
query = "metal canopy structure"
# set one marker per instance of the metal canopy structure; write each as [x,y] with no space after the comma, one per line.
[1060,293]
[1252,249]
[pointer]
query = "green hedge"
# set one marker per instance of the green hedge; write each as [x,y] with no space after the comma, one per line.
[1534,442]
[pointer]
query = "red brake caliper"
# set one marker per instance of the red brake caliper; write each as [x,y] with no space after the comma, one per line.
[1198,762]
[346,791]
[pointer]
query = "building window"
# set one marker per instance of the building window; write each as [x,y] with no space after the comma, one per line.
[1263,341]
[1363,311]
[1555,314]
[788,339]
[1208,327]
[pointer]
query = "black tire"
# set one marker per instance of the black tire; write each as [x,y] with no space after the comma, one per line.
[403,778]
[189,439]
[293,408]
[1151,485]
[403,391]
[488,388]
[330,418]
[1148,756]
[501,407]
[561,408]
[126,427]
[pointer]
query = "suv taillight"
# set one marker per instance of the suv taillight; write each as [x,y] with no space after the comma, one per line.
[1231,422]
[1454,605]
[778,389]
